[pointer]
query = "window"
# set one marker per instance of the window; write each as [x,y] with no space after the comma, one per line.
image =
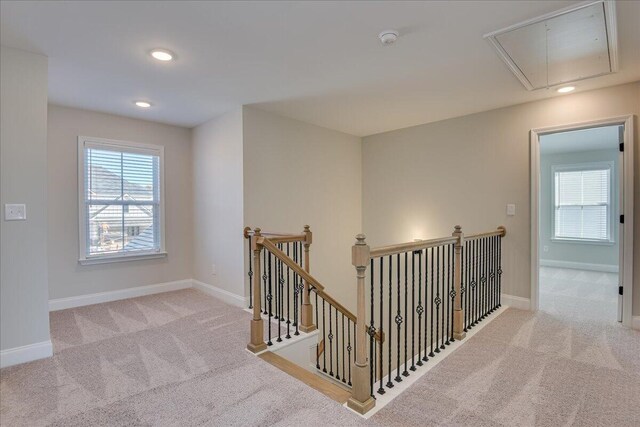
[121,200]
[583,207]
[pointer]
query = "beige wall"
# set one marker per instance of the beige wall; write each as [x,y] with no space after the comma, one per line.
[67,278]
[296,174]
[419,182]
[218,203]
[24,313]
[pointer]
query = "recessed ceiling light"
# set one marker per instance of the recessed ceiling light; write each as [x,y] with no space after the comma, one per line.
[162,54]
[566,89]
[143,104]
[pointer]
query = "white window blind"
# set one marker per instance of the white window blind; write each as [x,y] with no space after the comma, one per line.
[122,200]
[583,203]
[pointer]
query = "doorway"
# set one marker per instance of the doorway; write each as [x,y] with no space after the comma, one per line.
[582,183]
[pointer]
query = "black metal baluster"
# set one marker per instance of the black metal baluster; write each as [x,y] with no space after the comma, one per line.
[288,336]
[499,271]
[420,310]
[444,295]
[264,280]
[381,388]
[317,326]
[406,329]
[337,348]
[413,313]
[492,274]
[324,339]
[438,300]
[371,331]
[269,298]
[398,320]
[279,294]
[389,383]
[476,264]
[349,353]
[330,336]
[432,299]
[250,276]
[452,292]
[465,286]
[447,267]
[295,289]
[343,341]
[483,301]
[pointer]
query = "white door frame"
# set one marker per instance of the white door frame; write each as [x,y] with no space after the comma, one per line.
[626,262]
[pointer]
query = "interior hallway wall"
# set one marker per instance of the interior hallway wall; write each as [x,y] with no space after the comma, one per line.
[218,203]
[67,278]
[420,181]
[24,311]
[296,174]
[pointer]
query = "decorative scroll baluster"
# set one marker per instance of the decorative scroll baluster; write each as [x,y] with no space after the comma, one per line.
[432,299]
[500,266]
[349,348]
[343,341]
[452,293]
[413,314]
[420,311]
[398,320]
[447,267]
[269,295]
[279,288]
[288,299]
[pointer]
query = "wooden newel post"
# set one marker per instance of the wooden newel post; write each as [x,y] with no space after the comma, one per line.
[361,400]
[458,312]
[257,329]
[306,323]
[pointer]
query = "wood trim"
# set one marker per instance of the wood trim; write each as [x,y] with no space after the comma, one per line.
[410,246]
[331,390]
[626,261]
[275,236]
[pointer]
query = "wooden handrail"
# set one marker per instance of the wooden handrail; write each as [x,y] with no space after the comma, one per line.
[248,232]
[410,246]
[424,244]
[500,231]
[318,287]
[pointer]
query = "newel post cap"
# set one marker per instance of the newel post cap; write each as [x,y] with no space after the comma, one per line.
[360,252]
[308,235]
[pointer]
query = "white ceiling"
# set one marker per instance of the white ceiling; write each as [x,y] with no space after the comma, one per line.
[600,138]
[319,62]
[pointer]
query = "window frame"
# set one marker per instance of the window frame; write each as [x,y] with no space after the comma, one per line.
[124,146]
[575,167]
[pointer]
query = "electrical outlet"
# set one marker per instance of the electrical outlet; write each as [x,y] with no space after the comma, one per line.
[15,212]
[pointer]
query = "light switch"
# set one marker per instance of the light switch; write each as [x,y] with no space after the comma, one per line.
[14,212]
[511,209]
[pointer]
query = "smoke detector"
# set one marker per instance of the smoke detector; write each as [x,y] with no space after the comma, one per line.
[388,37]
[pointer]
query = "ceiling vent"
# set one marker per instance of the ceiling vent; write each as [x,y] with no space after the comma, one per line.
[562,47]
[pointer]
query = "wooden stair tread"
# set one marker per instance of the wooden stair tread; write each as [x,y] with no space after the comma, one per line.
[316,382]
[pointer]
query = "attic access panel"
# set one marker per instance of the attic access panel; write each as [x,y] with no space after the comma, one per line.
[562,47]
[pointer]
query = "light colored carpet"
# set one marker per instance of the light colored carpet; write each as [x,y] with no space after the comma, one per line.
[579,294]
[530,369]
[178,359]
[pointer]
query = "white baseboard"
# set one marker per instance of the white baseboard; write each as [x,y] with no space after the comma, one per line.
[90,299]
[516,302]
[26,353]
[635,322]
[579,265]
[226,296]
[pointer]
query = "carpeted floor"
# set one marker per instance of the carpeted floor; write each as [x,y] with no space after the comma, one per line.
[178,359]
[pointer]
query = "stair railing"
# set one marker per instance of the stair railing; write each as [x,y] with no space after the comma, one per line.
[423,296]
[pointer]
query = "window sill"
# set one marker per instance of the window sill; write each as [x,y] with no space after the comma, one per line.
[584,241]
[121,258]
